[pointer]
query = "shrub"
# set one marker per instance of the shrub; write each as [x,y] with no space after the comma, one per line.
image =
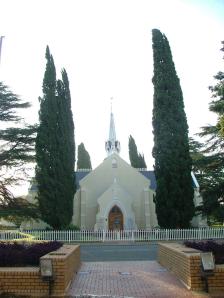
[17,254]
[217,248]
[73,227]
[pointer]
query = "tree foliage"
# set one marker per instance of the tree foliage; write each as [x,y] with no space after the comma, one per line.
[16,151]
[17,139]
[174,193]
[55,149]
[208,170]
[84,161]
[210,165]
[137,160]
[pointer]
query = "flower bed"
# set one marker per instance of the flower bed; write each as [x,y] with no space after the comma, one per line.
[27,281]
[217,248]
[25,254]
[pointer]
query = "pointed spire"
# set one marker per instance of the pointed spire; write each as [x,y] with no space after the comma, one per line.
[112,145]
[112,132]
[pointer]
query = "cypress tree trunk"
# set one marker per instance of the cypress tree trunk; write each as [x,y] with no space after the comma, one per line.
[55,149]
[174,193]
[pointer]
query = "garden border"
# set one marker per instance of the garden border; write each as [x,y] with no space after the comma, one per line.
[28,281]
[185,263]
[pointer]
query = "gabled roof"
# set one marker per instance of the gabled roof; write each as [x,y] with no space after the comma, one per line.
[80,174]
[150,175]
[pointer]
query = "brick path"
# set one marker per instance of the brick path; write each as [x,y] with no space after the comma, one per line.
[128,279]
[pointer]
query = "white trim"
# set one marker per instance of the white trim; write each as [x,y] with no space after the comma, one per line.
[117,203]
[195,180]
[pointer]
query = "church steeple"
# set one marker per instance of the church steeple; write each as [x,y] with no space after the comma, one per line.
[112,145]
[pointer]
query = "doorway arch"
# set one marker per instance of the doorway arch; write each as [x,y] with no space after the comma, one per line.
[115,219]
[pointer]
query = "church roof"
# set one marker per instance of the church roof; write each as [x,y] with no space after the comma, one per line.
[150,175]
[79,175]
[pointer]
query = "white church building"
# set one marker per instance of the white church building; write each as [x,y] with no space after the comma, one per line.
[116,196]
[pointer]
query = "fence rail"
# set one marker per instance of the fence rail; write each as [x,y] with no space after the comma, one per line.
[106,235]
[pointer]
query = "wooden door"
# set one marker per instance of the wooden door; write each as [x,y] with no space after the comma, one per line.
[115,219]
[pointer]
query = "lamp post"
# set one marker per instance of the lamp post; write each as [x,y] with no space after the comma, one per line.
[207,267]
[46,272]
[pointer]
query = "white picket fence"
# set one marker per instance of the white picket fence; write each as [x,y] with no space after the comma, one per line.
[124,235]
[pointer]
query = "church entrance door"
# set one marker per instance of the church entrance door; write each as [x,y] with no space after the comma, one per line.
[115,219]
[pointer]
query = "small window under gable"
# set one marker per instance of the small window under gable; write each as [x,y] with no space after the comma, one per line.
[114,163]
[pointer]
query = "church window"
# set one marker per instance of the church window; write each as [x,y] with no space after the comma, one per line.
[114,163]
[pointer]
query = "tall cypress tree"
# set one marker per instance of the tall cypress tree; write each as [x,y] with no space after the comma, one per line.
[55,149]
[84,161]
[174,193]
[66,150]
[136,159]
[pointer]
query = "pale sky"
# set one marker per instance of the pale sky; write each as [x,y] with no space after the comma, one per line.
[106,48]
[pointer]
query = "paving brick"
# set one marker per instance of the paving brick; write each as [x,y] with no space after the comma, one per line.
[128,279]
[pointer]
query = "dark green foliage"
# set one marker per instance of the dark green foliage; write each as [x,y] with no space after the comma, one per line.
[9,104]
[195,148]
[17,142]
[55,149]
[208,170]
[215,133]
[18,145]
[16,209]
[73,227]
[174,193]
[16,151]
[211,164]
[142,162]
[84,161]
[136,159]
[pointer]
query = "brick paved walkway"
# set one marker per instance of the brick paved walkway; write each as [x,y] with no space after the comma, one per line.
[128,279]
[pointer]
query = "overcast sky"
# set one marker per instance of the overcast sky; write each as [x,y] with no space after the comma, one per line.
[106,48]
